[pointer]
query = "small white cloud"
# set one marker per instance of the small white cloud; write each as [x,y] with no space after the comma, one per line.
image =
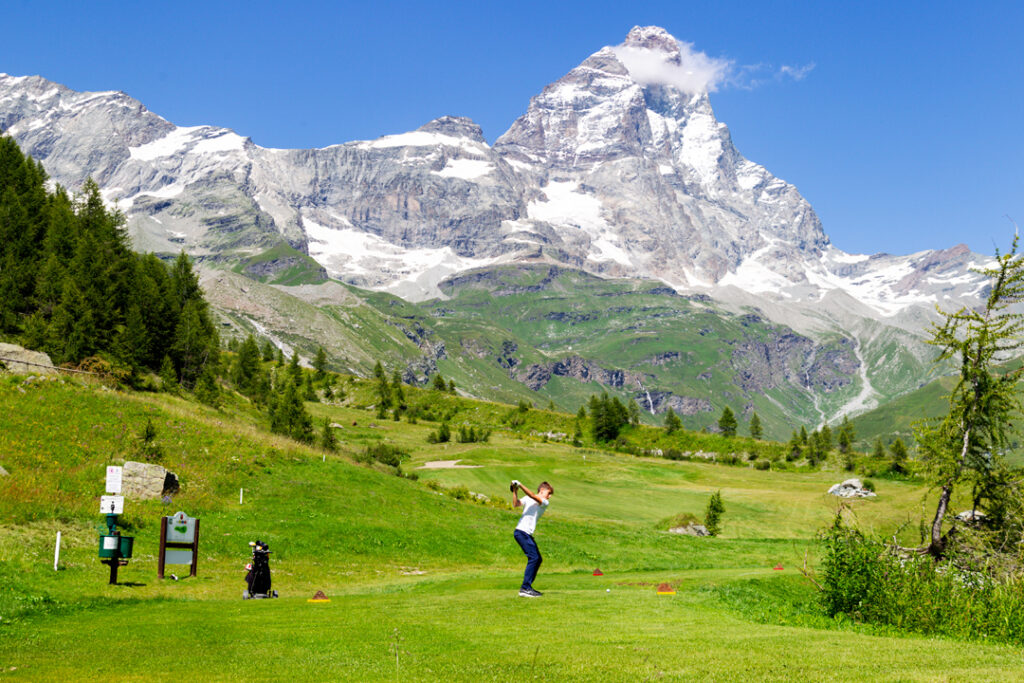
[695,72]
[797,73]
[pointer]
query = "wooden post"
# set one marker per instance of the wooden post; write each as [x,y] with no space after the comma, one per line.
[195,550]
[163,548]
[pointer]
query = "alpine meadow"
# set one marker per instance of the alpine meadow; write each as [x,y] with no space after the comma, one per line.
[274,413]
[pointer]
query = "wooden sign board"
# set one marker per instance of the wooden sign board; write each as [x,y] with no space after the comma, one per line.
[114,479]
[181,529]
[179,542]
[111,505]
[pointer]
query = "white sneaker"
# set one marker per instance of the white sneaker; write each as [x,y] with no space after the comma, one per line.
[528,593]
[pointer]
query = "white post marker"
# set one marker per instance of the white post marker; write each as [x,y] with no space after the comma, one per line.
[240,496]
[56,552]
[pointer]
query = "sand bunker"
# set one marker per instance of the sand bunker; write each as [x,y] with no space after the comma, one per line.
[445,465]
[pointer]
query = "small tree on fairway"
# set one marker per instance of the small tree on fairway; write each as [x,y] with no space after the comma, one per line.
[755,427]
[713,513]
[672,422]
[327,439]
[727,422]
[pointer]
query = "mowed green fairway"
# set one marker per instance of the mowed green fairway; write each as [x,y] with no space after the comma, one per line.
[472,630]
[423,586]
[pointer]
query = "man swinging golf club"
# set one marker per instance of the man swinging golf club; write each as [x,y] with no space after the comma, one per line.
[533,505]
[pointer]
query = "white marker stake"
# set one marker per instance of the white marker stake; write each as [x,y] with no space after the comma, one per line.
[240,496]
[56,552]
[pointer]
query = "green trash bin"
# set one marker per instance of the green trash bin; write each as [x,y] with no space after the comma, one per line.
[114,547]
[110,546]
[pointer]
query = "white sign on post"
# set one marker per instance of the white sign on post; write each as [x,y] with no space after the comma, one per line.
[114,479]
[111,505]
[181,529]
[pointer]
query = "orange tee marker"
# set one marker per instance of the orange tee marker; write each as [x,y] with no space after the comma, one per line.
[598,572]
[319,597]
[665,589]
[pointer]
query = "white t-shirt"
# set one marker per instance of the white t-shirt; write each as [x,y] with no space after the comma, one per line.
[532,510]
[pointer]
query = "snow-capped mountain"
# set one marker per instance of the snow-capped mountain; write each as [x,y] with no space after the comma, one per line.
[616,168]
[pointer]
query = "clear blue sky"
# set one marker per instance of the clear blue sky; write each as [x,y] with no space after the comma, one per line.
[906,135]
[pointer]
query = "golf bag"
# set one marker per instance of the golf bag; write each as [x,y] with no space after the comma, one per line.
[258,577]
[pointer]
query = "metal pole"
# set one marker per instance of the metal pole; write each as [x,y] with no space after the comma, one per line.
[240,496]
[56,552]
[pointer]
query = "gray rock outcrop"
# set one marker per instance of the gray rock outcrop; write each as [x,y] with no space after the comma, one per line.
[142,481]
[690,530]
[851,488]
[22,361]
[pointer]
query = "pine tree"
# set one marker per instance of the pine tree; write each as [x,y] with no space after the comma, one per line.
[439,383]
[803,435]
[794,449]
[320,363]
[206,389]
[308,392]
[397,392]
[713,513]
[451,386]
[755,427]
[672,422]
[847,435]
[168,375]
[879,452]
[898,456]
[246,370]
[267,351]
[383,391]
[294,369]
[727,422]
[825,436]
[634,412]
[328,441]
[968,445]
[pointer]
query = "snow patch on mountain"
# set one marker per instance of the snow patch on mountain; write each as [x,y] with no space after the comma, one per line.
[356,256]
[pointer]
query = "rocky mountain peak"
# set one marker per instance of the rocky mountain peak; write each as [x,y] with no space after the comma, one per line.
[456,127]
[653,38]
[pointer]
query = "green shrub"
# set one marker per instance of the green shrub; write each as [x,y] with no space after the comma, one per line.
[869,581]
[389,455]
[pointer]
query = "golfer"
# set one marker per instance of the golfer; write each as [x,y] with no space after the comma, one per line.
[534,505]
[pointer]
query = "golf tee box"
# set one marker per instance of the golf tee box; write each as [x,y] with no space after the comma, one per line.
[665,589]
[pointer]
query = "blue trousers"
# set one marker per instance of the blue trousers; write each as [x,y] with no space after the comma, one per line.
[533,558]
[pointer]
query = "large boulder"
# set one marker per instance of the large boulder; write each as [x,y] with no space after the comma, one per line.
[690,530]
[141,480]
[851,488]
[22,361]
